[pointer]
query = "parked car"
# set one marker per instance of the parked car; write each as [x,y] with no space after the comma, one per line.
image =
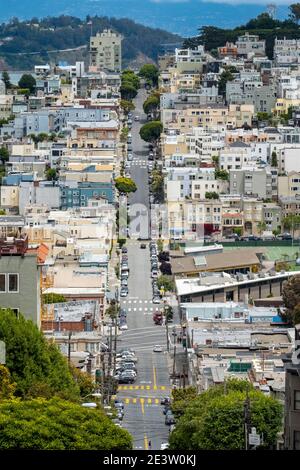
[136,118]
[124,249]
[129,157]
[124,291]
[126,379]
[164,446]
[124,326]
[170,419]
[165,401]
[127,365]
[122,313]
[156,300]
[119,404]
[143,245]
[158,348]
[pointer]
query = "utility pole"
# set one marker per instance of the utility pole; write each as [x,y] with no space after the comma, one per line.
[110,347]
[174,362]
[167,333]
[115,345]
[102,378]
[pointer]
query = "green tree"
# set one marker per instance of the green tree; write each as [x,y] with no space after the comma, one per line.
[226,76]
[181,398]
[4,155]
[295,12]
[6,79]
[53,298]
[238,231]
[291,222]
[112,310]
[84,381]
[274,161]
[262,116]
[150,132]
[127,106]
[157,185]
[130,77]
[211,195]
[261,226]
[149,72]
[128,91]
[167,282]
[125,185]
[51,174]
[37,367]
[7,387]
[151,104]
[215,159]
[221,175]
[291,300]
[58,425]
[27,81]
[214,420]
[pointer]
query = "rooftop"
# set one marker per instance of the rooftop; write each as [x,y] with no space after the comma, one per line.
[210,281]
[217,261]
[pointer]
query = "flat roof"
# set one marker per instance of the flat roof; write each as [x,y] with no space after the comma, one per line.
[75,290]
[193,286]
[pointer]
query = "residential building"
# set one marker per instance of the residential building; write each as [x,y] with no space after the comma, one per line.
[20,277]
[292,397]
[250,45]
[105,51]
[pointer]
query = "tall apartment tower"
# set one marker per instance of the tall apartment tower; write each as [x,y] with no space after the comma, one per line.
[105,51]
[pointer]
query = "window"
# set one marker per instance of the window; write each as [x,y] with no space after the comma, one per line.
[297,400]
[296,440]
[13,283]
[2,283]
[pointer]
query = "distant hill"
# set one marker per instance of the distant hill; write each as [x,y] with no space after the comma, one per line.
[26,43]
[178,16]
[264,26]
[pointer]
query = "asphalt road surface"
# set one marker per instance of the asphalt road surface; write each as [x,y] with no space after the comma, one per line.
[143,417]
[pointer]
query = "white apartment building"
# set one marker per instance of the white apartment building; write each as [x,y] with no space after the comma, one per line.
[286,51]
[250,44]
[106,51]
[235,156]
[201,187]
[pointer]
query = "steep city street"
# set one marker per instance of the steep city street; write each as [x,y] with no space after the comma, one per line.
[143,417]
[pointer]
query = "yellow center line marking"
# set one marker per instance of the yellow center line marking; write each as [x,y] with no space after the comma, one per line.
[154,378]
[145,442]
